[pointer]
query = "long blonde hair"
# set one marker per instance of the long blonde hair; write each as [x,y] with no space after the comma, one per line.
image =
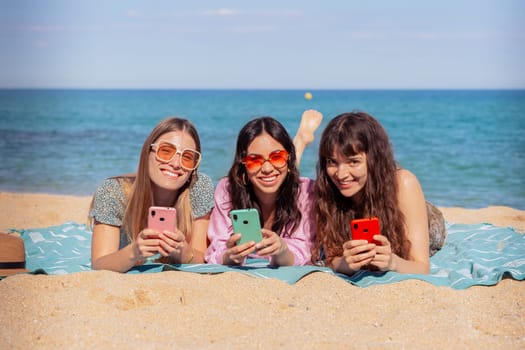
[141,197]
[138,187]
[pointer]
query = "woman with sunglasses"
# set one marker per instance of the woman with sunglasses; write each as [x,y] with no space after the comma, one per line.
[166,176]
[357,177]
[265,176]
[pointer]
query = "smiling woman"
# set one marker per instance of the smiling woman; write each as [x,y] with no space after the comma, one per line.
[265,176]
[167,176]
[359,178]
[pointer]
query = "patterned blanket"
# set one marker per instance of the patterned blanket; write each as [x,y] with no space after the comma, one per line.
[473,255]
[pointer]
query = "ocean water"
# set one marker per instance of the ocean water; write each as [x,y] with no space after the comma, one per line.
[466,147]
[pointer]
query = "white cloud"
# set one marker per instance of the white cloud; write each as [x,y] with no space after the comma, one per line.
[254,29]
[222,12]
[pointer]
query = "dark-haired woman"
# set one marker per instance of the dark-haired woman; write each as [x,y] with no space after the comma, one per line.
[265,176]
[357,177]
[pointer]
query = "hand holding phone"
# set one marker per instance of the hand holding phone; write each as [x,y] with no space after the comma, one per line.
[162,219]
[365,229]
[247,223]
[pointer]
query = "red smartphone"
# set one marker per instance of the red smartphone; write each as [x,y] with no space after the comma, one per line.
[162,218]
[365,229]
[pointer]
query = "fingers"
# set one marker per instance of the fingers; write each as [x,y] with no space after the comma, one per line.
[166,243]
[358,253]
[381,240]
[232,241]
[358,245]
[384,256]
[173,246]
[271,244]
[237,254]
[146,245]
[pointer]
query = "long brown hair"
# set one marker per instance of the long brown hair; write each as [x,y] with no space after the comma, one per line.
[287,213]
[141,194]
[350,134]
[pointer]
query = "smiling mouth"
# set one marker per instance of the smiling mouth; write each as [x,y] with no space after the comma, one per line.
[170,174]
[268,179]
[345,184]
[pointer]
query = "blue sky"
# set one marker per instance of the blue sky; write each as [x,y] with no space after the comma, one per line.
[340,44]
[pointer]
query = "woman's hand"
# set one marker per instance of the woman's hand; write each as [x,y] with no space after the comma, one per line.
[236,254]
[271,244]
[274,246]
[384,257]
[146,244]
[358,253]
[174,245]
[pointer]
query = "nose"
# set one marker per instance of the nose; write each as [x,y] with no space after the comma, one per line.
[267,166]
[175,162]
[341,172]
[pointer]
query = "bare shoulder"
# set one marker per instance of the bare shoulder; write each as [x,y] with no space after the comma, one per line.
[406,178]
[407,181]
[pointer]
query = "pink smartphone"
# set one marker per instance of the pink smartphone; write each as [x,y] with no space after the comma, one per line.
[162,218]
[365,229]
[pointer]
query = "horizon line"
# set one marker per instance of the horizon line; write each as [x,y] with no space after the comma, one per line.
[269,89]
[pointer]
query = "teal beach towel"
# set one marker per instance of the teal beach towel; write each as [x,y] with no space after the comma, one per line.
[473,255]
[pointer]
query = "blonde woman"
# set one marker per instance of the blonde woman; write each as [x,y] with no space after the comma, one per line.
[166,176]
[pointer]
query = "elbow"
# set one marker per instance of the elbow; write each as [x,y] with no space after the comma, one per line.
[95,264]
[424,267]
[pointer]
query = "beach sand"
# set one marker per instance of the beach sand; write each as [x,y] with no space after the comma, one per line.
[101,309]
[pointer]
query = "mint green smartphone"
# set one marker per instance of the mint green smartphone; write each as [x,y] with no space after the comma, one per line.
[247,223]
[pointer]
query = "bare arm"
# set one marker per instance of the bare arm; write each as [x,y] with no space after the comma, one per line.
[199,236]
[358,253]
[105,253]
[276,248]
[412,204]
[310,121]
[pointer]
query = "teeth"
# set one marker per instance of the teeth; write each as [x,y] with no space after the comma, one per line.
[169,173]
[269,179]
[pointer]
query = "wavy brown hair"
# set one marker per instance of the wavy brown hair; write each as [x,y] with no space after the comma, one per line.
[287,213]
[141,193]
[350,134]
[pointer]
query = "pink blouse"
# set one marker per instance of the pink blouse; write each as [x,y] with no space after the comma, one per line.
[220,228]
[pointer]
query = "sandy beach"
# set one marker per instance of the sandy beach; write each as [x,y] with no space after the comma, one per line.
[100,309]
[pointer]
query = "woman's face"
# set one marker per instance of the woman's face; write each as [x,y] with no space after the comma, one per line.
[267,179]
[349,174]
[170,175]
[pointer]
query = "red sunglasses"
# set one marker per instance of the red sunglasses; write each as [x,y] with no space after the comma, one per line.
[254,162]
